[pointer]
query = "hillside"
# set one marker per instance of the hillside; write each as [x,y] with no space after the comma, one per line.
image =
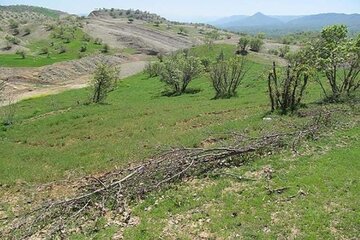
[272,195]
[143,31]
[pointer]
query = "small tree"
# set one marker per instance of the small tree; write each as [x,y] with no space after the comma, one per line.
[243,44]
[21,53]
[283,51]
[105,48]
[27,31]
[179,70]
[226,76]
[256,44]
[286,91]
[104,81]
[338,57]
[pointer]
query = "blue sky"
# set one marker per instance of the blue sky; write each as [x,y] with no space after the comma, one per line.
[197,9]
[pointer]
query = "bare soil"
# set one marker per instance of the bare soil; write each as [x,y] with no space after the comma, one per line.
[23,83]
[120,34]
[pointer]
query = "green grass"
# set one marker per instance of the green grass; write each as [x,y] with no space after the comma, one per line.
[58,136]
[225,208]
[34,59]
[64,136]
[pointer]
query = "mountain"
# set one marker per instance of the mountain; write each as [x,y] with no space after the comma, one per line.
[259,19]
[286,19]
[226,20]
[276,25]
[321,20]
[255,20]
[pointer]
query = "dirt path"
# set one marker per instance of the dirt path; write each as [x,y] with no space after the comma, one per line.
[24,83]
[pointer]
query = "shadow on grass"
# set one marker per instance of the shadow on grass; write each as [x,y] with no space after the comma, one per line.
[168,93]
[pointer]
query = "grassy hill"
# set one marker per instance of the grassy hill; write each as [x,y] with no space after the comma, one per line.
[65,137]
[40,10]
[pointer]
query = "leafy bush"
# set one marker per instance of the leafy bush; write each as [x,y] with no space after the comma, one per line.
[283,51]
[153,69]
[83,48]
[98,41]
[21,53]
[105,48]
[243,44]
[44,51]
[179,70]
[256,44]
[12,39]
[62,49]
[27,31]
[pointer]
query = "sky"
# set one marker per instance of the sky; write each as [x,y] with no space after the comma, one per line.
[195,10]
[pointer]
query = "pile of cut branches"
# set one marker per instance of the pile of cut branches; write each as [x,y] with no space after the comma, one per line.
[106,196]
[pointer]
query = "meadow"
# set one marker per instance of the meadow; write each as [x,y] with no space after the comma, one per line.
[67,137]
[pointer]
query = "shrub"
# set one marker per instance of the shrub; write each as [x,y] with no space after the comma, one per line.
[105,48]
[21,53]
[98,41]
[12,40]
[256,44]
[284,50]
[273,52]
[179,70]
[83,48]
[27,31]
[62,49]
[44,51]
[104,81]
[286,90]
[226,76]
[86,38]
[153,69]
[243,44]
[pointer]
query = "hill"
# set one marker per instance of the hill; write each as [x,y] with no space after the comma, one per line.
[40,10]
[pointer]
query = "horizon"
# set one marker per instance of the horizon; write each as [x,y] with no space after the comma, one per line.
[201,10]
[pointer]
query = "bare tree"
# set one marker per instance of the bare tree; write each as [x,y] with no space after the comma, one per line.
[286,91]
[226,76]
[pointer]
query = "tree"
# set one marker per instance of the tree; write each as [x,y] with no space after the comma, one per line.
[226,76]
[179,70]
[21,53]
[104,81]
[286,90]
[255,44]
[105,48]
[284,50]
[338,58]
[27,31]
[243,44]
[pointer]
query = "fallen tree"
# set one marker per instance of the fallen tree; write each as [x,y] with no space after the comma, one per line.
[107,196]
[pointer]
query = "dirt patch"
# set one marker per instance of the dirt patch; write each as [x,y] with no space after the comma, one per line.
[23,83]
[119,34]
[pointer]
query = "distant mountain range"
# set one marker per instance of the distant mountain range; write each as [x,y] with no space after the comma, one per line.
[282,24]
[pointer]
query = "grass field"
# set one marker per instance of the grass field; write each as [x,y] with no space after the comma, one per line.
[321,201]
[35,59]
[66,137]
[63,136]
